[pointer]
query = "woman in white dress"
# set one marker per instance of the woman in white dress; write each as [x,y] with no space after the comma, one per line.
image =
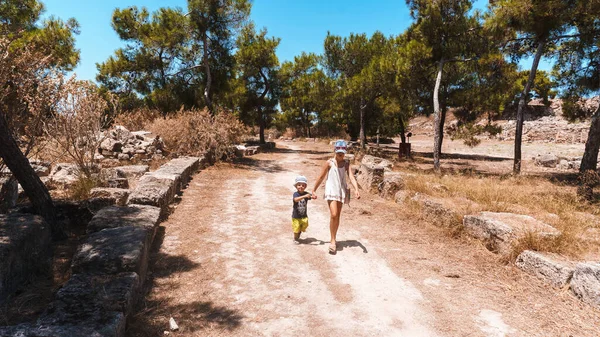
[337,193]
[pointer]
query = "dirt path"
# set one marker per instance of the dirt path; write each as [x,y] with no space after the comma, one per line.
[226,266]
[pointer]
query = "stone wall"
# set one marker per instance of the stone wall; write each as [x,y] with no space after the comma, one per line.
[109,267]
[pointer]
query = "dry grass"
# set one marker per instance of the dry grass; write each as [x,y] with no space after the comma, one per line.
[554,204]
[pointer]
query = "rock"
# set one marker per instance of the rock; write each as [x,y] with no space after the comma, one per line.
[391,184]
[401,197]
[132,171]
[9,193]
[369,177]
[101,197]
[89,298]
[122,216]
[111,324]
[42,168]
[585,283]
[122,183]
[439,211]
[502,230]
[376,161]
[123,156]
[546,160]
[551,268]
[563,165]
[24,250]
[173,325]
[183,167]
[155,190]
[64,174]
[114,251]
[120,132]
[111,145]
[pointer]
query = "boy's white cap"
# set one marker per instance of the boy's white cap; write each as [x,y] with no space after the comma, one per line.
[300,179]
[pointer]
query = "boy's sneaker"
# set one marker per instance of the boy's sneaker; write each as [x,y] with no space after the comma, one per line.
[296,242]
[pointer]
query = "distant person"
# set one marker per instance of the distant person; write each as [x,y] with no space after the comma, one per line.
[299,211]
[337,193]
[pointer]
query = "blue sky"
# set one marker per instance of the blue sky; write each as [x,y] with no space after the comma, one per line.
[301,24]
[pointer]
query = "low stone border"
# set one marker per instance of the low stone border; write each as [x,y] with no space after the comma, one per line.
[500,231]
[109,268]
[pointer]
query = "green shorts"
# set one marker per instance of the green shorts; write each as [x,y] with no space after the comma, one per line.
[299,225]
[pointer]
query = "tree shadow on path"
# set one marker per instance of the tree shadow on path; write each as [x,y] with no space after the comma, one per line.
[151,316]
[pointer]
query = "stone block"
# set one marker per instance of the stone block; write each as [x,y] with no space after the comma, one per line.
[585,283]
[24,250]
[122,216]
[118,196]
[369,177]
[551,268]
[376,161]
[64,174]
[502,230]
[114,250]
[391,184]
[155,190]
[132,171]
[9,193]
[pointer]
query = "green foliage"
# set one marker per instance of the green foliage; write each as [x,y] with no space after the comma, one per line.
[257,85]
[174,59]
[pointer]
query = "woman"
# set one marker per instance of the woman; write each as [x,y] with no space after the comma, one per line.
[337,171]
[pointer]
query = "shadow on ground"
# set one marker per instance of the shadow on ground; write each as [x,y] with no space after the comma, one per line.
[152,314]
[269,166]
[350,244]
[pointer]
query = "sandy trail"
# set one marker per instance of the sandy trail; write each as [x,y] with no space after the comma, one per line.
[227,267]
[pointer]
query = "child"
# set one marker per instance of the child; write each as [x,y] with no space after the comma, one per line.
[299,214]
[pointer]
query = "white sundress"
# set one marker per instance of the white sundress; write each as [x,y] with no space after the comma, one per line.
[336,186]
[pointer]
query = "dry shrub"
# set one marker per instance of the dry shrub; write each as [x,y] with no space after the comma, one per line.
[137,119]
[197,132]
[76,126]
[81,189]
[551,203]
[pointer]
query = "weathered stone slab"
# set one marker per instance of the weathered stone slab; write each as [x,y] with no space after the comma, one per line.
[155,190]
[585,283]
[551,268]
[132,171]
[184,166]
[376,161]
[369,177]
[24,250]
[391,184]
[440,211]
[114,250]
[502,230]
[9,193]
[122,216]
[117,195]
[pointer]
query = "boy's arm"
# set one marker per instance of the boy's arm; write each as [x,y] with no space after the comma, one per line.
[308,195]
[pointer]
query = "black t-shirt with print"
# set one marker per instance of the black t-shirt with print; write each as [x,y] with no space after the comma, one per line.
[299,210]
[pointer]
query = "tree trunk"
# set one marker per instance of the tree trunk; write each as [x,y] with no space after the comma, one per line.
[361,135]
[32,185]
[207,99]
[443,111]
[262,123]
[402,131]
[521,107]
[437,119]
[590,155]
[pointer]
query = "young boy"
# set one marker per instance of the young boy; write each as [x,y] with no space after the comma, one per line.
[299,214]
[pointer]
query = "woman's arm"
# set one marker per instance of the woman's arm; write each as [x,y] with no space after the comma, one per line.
[322,175]
[353,182]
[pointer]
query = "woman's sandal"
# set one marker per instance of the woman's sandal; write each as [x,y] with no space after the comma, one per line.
[332,248]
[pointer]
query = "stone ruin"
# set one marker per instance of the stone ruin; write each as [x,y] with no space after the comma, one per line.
[500,232]
[122,144]
[110,264]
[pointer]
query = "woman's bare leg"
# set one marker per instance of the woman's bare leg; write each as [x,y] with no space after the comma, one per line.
[335,209]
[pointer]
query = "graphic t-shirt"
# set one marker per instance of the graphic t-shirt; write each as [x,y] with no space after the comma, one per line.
[299,210]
